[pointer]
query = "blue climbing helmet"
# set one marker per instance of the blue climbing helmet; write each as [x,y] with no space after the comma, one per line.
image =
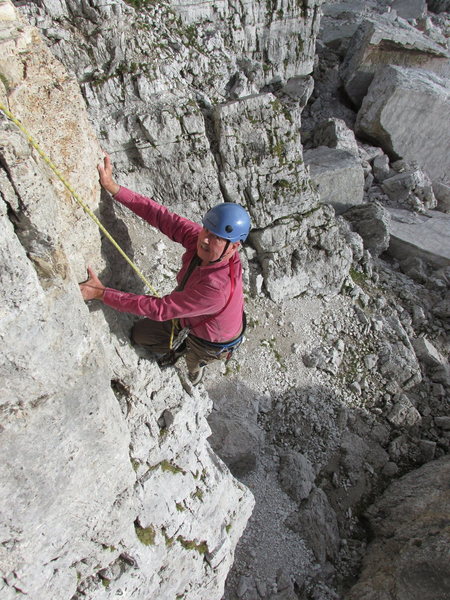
[229,221]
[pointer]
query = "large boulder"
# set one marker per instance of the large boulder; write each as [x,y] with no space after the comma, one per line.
[303,254]
[410,9]
[410,554]
[372,222]
[338,175]
[406,112]
[387,41]
[424,235]
[334,133]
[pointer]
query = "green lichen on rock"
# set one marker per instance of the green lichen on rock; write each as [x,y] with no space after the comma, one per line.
[146,535]
[168,466]
[201,548]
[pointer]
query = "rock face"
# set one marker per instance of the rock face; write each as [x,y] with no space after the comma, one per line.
[109,485]
[257,30]
[261,160]
[216,102]
[343,380]
[410,552]
[398,96]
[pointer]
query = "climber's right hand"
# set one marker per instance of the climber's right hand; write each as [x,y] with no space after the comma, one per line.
[106,179]
[93,288]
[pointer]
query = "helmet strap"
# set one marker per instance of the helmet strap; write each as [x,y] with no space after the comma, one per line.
[227,245]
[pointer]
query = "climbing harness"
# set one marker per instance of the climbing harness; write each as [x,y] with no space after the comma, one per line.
[179,343]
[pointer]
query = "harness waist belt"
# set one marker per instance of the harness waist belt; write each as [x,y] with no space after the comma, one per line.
[228,344]
[218,344]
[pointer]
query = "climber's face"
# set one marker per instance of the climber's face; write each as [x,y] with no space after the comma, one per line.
[210,247]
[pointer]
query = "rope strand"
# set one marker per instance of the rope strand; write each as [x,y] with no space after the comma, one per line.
[76,197]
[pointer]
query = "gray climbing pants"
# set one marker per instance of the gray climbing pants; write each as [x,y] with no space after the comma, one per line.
[155,335]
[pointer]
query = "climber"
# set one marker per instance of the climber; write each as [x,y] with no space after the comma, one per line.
[206,307]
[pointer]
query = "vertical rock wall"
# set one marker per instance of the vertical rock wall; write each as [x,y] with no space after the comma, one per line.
[201,103]
[109,485]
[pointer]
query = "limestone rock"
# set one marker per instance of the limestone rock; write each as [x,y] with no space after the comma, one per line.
[442,193]
[386,41]
[261,163]
[404,412]
[100,500]
[339,22]
[303,254]
[410,189]
[388,117]
[338,176]
[323,540]
[424,235]
[409,557]
[410,9]
[334,133]
[398,363]
[381,170]
[296,475]
[427,353]
[372,223]
[237,437]
[255,29]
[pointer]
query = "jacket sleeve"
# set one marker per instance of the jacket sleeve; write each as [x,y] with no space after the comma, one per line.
[178,229]
[200,301]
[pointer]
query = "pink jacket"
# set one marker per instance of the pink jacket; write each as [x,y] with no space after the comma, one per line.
[206,291]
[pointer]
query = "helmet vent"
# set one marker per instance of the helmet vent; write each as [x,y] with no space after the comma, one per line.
[229,228]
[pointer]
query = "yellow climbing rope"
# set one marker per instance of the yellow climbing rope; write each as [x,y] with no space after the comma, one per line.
[76,197]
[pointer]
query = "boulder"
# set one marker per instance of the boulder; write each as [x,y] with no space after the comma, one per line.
[387,41]
[400,106]
[338,175]
[442,193]
[339,21]
[381,169]
[305,253]
[317,523]
[372,222]
[424,235]
[334,133]
[403,413]
[411,189]
[296,475]
[410,554]
[410,9]
[427,353]
[415,267]
[236,436]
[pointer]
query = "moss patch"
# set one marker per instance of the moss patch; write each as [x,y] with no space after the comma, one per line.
[146,535]
[201,548]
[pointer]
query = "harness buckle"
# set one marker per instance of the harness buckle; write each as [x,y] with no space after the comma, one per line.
[181,337]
